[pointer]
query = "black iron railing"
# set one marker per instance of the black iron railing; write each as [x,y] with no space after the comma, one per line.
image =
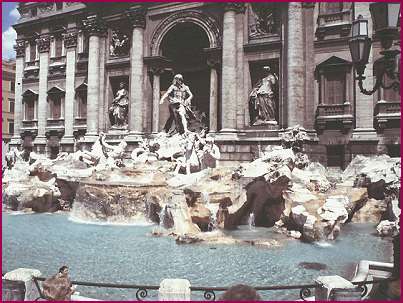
[209,293]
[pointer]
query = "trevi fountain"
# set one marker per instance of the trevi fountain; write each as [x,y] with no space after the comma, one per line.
[164,213]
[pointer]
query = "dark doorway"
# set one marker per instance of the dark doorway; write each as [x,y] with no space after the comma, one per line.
[335,156]
[184,45]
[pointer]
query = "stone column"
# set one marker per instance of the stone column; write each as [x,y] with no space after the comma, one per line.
[156,73]
[365,104]
[70,44]
[95,29]
[213,96]
[308,13]
[229,68]
[364,139]
[295,66]
[138,21]
[19,73]
[43,44]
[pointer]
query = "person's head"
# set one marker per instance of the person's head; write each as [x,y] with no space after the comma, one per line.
[240,292]
[266,70]
[178,78]
[122,85]
[64,270]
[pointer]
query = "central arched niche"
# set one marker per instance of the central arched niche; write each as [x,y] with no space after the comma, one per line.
[183,44]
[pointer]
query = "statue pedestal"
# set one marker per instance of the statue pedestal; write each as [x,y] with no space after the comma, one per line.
[116,133]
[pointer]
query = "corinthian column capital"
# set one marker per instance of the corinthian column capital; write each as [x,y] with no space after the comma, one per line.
[70,39]
[94,25]
[19,48]
[137,16]
[43,43]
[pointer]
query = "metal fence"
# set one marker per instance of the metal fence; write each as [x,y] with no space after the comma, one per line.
[209,293]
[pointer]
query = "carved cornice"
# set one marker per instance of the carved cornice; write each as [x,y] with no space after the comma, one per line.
[137,17]
[20,48]
[238,7]
[70,39]
[94,25]
[43,43]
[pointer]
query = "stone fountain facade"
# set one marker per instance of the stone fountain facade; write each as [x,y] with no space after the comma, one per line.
[71,58]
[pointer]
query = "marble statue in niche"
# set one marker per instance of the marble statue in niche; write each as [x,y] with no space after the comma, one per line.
[119,109]
[263,99]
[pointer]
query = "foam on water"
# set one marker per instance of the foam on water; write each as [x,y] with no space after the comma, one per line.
[323,244]
[116,221]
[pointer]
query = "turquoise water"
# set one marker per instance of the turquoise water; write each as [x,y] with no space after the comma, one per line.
[128,254]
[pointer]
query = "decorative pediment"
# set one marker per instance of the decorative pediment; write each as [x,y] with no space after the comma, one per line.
[29,93]
[83,86]
[332,63]
[55,90]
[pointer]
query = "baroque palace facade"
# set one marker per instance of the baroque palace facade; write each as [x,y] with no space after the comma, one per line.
[71,59]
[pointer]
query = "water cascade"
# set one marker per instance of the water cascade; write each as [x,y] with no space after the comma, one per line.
[251,221]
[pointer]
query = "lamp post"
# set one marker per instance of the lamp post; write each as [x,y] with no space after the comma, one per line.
[385,18]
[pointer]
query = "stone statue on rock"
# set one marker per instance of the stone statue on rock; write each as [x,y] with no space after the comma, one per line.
[179,96]
[114,154]
[119,108]
[146,152]
[263,99]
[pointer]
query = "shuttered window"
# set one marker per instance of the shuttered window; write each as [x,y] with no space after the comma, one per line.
[29,110]
[335,88]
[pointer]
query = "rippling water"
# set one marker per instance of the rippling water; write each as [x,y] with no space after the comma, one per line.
[128,254]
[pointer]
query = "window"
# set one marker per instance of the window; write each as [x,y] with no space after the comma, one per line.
[59,6]
[58,47]
[82,106]
[29,109]
[11,127]
[332,75]
[55,106]
[32,50]
[335,87]
[12,86]
[388,94]
[81,101]
[335,155]
[11,106]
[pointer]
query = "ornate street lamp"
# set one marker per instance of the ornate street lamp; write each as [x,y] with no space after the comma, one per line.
[385,18]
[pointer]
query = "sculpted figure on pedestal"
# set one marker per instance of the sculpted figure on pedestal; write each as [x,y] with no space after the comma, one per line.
[263,100]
